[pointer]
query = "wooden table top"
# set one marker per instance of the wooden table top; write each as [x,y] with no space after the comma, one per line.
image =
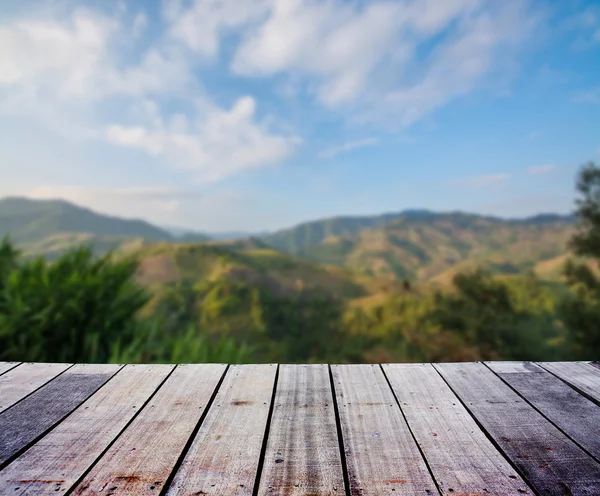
[493,428]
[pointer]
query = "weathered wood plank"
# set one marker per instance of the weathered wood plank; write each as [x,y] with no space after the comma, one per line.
[25,379]
[551,462]
[381,454]
[223,457]
[6,366]
[576,415]
[582,376]
[460,456]
[40,411]
[302,455]
[58,460]
[142,458]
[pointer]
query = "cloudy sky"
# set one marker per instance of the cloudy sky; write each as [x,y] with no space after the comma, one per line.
[258,114]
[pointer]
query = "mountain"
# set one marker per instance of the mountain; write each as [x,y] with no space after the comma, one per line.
[50,227]
[233,235]
[420,245]
[423,245]
[28,220]
[296,239]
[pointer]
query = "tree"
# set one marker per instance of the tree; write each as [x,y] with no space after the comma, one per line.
[586,241]
[580,311]
[71,310]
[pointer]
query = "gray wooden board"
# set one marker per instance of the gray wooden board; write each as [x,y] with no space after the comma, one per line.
[142,458]
[573,413]
[21,381]
[460,456]
[381,454]
[6,366]
[551,462]
[224,455]
[30,418]
[302,455]
[582,376]
[55,463]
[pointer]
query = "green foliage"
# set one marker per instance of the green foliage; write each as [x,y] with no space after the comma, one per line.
[74,308]
[241,302]
[500,321]
[581,309]
[153,344]
[586,241]
[85,309]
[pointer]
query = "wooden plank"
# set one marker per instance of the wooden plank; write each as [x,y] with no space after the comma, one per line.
[229,442]
[302,455]
[6,366]
[573,413]
[58,460]
[40,411]
[460,456]
[131,465]
[551,462]
[582,376]
[25,379]
[381,454]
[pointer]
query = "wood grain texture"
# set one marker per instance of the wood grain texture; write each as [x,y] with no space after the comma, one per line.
[573,413]
[581,375]
[6,366]
[58,460]
[551,462]
[21,381]
[40,411]
[302,455]
[460,456]
[381,454]
[142,458]
[224,455]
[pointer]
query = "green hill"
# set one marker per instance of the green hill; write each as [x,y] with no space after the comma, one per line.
[426,246]
[49,227]
[165,263]
[416,244]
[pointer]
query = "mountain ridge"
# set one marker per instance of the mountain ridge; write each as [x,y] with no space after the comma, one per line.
[414,244]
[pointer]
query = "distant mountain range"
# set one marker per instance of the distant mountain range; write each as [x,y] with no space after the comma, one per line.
[415,244]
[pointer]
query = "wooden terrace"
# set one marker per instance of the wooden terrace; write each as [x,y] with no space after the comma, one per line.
[494,428]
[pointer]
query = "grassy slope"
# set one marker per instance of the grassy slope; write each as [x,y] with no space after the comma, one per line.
[169,263]
[435,249]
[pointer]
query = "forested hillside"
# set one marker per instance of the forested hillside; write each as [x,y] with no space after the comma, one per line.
[416,245]
[241,301]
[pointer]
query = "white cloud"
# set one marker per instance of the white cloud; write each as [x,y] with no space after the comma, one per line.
[366,54]
[588,96]
[586,24]
[66,71]
[220,143]
[348,146]
[78,58]
[482,181]
[459,65]
[541,169]
[202,24]
[140,22]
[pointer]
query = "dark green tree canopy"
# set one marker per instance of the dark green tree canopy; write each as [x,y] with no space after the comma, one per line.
[586,242]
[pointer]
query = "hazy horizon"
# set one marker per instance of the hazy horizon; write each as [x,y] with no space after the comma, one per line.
[260,115]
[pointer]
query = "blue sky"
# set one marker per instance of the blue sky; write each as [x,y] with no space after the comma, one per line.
[259,114]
